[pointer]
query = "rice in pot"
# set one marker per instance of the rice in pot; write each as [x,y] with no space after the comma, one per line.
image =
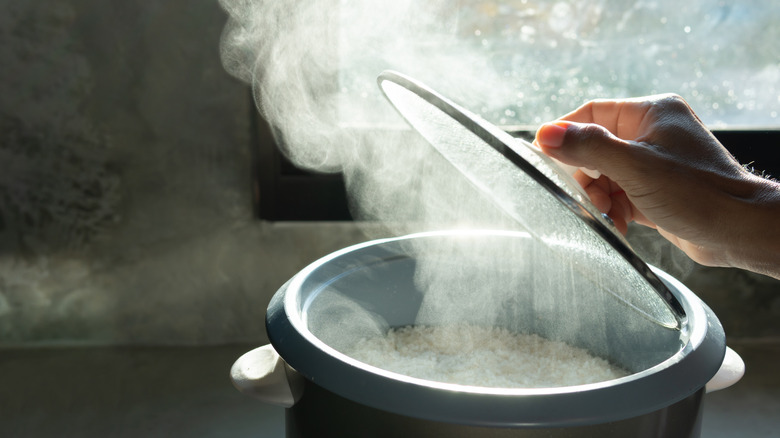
[480,356]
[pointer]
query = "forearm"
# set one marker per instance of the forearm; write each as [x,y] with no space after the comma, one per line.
[756,228]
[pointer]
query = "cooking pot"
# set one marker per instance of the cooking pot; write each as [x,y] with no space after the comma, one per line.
[368,288]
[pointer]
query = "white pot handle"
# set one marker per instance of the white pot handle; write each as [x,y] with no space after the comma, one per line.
[261,373]
[731,370]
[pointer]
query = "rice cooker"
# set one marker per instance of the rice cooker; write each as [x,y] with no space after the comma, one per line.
[565,274]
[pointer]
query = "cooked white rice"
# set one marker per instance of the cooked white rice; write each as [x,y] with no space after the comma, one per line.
[487,357]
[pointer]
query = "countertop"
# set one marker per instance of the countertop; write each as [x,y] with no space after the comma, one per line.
[186,392]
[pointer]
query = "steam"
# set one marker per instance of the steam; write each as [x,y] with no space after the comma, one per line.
[313,68]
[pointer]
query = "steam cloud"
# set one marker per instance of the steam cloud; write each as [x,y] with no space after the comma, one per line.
[313,68]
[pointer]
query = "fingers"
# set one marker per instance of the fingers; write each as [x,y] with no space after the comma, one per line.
[620,211]
[592,146]
[598,191]
[586,145]
[620,117]
[637,144]
[609,198]
[626,118]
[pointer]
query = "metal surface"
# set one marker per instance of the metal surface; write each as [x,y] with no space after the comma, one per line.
[401,90]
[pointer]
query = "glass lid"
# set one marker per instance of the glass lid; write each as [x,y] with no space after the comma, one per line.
[537,193]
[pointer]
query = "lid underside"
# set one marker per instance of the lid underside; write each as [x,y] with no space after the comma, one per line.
[537,193]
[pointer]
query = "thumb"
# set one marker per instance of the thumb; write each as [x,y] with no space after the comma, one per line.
[586,145]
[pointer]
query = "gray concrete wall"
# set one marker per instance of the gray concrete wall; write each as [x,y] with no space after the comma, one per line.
[125,203]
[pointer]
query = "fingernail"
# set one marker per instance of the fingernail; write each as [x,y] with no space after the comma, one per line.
[551,135]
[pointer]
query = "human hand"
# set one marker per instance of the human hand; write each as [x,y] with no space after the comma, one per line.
[661,167]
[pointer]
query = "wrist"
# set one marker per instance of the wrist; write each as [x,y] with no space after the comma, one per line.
[756,243]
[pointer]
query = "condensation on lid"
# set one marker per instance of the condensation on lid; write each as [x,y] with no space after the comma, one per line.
[533,190]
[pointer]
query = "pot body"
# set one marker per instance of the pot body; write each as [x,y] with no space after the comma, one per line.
[321,413]
[365,289]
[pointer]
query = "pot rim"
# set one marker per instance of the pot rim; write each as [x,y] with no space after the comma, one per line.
[679,376]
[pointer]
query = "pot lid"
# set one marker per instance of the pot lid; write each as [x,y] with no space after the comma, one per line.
[537,193]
